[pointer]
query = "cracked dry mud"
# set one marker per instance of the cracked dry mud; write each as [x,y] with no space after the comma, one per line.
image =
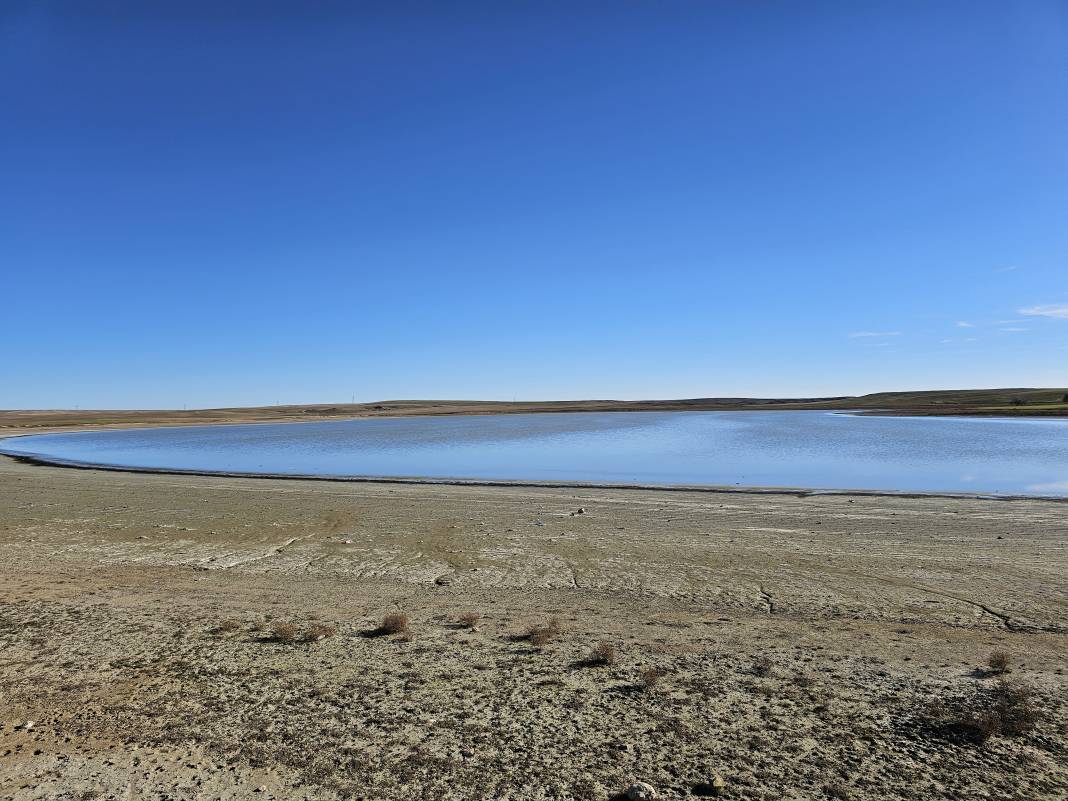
[136,611]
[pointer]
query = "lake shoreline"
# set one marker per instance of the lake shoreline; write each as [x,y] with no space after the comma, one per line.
[800,492]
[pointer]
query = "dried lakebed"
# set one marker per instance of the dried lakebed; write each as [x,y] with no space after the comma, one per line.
[799,642]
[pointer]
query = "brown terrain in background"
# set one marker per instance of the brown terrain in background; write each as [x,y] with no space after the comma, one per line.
[999,402]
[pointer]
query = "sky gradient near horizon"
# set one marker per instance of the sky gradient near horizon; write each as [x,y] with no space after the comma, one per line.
[247,203]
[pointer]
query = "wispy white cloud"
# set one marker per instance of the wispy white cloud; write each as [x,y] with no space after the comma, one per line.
[1058,310]
[857,334]
[1012,330]
[965,324]
[1011,268]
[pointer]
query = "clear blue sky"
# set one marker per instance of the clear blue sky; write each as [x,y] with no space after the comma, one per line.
[228,203]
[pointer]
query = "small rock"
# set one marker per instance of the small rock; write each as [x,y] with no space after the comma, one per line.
[262,788]
[716,785]
[26,726]
[640,791]
[443,581]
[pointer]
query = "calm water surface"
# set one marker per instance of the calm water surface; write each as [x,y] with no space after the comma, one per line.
[784,449]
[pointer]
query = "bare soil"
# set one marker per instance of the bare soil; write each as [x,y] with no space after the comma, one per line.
[799,644]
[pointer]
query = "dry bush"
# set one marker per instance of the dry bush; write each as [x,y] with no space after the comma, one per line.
[762,666]
[470,619]
[543,633]
[394,623]
[998,662]
[1014,705]
[1005,709]
[650,677]
[283,631]
[228,626]
[318,631]
[603,653]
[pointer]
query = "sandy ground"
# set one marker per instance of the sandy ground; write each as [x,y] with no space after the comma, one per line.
[800,641]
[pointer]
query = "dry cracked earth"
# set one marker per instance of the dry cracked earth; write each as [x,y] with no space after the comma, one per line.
[798,647]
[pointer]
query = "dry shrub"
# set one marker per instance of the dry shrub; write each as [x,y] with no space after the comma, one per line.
[543,633]
[650,677]
[999,662]
[283,631]
[1005,709]
[318,631]
[228,626]
[394,623]
[470,619]
[762,666]
[603,653]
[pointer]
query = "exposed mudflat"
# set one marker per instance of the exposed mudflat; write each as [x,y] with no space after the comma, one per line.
[801,641]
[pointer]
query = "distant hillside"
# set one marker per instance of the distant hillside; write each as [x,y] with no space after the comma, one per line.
[997,402]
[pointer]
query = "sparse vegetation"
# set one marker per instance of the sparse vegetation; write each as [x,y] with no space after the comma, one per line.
[1005,709]
[650,677]
[394,623]
[603,653]
[228,627]
[999,662]
[470,620]
[284,631]
[763,667]
[541,634]
[318,631]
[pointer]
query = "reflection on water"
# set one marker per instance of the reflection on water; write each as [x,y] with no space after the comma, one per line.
[786,449]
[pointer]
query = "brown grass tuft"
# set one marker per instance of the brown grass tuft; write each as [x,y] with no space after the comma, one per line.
[228,626]
[283,631]
[318,631]
[999,662]
[649,678]
[394,623]
[541,634]
[603,653]
[470,619]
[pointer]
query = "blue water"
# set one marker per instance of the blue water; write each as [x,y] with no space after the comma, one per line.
[783,449]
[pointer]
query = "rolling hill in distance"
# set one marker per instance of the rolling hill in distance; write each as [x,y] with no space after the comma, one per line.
[1005,402]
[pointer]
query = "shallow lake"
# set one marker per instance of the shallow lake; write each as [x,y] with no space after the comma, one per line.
[819,450]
